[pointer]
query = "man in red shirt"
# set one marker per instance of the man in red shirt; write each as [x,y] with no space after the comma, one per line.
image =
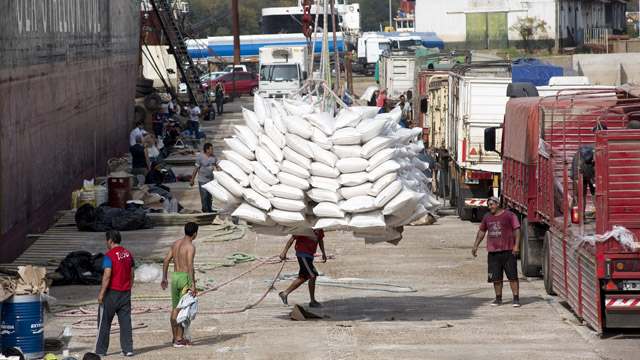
[503,244]
[306,247]
[115,295]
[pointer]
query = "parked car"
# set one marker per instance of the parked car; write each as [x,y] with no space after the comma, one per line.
[245,83]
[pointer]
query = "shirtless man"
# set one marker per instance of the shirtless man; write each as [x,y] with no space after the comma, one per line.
[183,278]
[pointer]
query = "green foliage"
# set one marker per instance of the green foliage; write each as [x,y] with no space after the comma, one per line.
[213,17]
[530,28]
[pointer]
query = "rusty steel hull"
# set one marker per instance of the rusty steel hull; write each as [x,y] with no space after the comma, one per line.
[68,74]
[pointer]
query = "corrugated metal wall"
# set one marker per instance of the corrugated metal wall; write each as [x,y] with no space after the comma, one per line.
[67,77]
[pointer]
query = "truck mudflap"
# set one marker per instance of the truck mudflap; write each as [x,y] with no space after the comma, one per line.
[622,311]
[475,202]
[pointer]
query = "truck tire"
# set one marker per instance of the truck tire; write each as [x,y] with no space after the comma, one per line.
[530,249]
[464,213]
[547,274]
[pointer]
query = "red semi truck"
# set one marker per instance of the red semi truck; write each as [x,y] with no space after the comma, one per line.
[598,276]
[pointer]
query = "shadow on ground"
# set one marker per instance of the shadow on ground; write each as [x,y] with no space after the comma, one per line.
[197,341]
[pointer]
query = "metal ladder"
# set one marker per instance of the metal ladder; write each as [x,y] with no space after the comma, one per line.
[190,74]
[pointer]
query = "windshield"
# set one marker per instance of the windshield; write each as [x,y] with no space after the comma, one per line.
[404,44]
[280,72]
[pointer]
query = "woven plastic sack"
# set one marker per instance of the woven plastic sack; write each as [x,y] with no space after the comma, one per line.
[323,121]
[236,145]
[323,156]
[229,183]
[264,174]
[255,199]
[347,151]
[371,128]
[388,193]
[287,218]
[250,214]
[353,191]
[294,169]
[388,166]
[294,157]
[372,219]
[328,209]
[377,144]
[252,122]
[235,171]
[287,204]
[220,195]
[273,133]
[271,147]
[299,126]
[380,157]
[296,107]
[324,170]
[348,117]
[346,136]
[247,136]
[299,145]
[353,179]
[263,157]
[331,223]
[261,108]
[325,183]
[321,139]
[260,186]
[351,165]
[382,183]
[293,180]
[359,204]
[287,192]
[402,203]
[320,195]
[239,160]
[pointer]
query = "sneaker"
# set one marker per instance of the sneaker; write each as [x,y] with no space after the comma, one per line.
[127,354]
[515,303]
[496,302]
[283,297]
[315,304]
[179,344]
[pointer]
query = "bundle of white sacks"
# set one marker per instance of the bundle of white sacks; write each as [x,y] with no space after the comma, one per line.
[292,168]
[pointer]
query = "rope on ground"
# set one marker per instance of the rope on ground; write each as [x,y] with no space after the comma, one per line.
[357,284]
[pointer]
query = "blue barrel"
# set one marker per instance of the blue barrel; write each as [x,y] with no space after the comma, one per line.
[22,325]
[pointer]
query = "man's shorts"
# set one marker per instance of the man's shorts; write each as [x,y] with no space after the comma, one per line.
[180,284]
[307,270]
[502,262]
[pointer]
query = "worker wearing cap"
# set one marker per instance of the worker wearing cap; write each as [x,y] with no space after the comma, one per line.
[503,245]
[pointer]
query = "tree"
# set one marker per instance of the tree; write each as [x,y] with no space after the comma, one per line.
[530,28]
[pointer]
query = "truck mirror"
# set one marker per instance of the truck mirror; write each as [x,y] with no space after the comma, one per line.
[305,75]
[424,105]
[490,139]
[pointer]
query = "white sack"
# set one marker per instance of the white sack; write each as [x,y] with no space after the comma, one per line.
[287,204]
[382,183]
[346,136]
[252,121]
[324,170]
[359,204]
[321,139]
[236,145]
[297,107]
[374,145]
[347,117]
[271,147]
[294,169]
[388,166]
[353,179]
[229,183]
[250,214]
[294,157]
[247,136]
[261,108]
[373,219]
[323,121]
[235,171]
[331,223]
[273,133]
[287,192]
[260,186]
[351,165]
[353,191]
[405,201]
[220,194]
[257,200]
[264,174]
[328,209]
[380,157]
[325,183]
[286,217]
[241,161]
[263,157]
[299,126]
[323,156]
[293,180]
[299,145]
[320,195]
[388,193]
[347,151]
[371,128]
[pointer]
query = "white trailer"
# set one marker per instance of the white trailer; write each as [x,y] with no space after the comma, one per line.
[397,73]
[283,70]
[477,99]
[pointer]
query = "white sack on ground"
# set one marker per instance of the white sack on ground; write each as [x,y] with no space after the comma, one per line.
[273,133]
[347,151]
[287,192]
[272,148]
[294,157]
[324,170]
[353,191]
[294,169]
[264,174]
[351,165]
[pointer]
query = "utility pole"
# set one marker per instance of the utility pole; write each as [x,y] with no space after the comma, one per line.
[336,52]
[556,48]
[390,19]
[235,29]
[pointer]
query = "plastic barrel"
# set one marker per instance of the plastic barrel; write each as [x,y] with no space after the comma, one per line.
[22,325]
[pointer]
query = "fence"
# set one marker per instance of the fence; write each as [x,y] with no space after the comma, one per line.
[597,39]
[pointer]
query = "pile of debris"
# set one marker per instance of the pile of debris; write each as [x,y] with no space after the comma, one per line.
[293,167]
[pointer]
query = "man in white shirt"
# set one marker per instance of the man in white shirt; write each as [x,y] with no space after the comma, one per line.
[194,119]
[138,131]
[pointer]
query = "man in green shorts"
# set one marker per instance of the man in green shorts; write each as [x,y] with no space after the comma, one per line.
[183,278]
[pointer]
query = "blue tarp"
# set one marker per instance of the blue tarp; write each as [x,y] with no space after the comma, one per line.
[534,71]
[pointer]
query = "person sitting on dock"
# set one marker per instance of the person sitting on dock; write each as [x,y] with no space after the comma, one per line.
[306,247]
[139,158]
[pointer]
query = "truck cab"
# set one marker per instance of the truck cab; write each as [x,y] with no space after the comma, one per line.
[283,70]
[370,48]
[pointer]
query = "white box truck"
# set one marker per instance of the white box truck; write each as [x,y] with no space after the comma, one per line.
[397,73]
[477,100]
[370,47]
[283,70]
